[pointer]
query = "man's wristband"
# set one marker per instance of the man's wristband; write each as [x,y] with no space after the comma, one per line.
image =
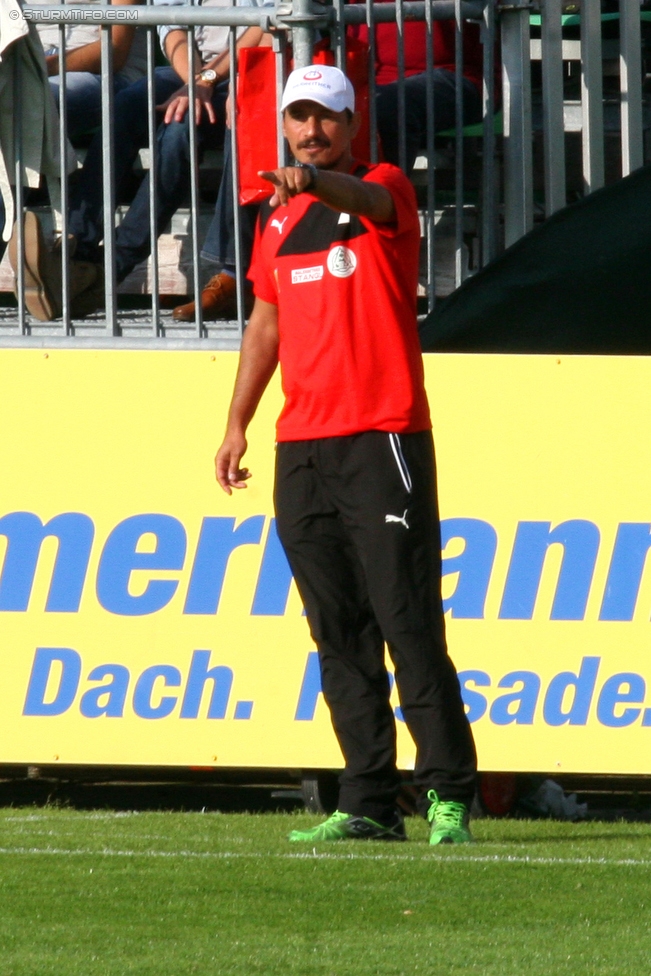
[313,171]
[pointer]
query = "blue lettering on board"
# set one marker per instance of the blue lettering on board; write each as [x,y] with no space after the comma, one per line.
[120,558]
[474,565]
[218,539]
[580,541]
[25,533]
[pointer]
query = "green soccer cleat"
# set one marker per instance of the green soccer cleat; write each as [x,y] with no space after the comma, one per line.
[344,826]
[448,821]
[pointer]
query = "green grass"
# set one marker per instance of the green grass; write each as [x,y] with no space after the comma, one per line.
[169,894]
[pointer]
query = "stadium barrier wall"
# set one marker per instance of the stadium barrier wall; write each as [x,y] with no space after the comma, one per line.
[148,618]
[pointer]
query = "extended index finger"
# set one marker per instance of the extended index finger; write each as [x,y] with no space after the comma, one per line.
[270,175]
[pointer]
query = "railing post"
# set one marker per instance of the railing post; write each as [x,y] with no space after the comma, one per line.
[280,41]
[489,187]
[338,35]
[152,124]
[108,182]
[19,183]
[459,270]
[518,156]
[195,202]
[553,120]
[66,297]
[630,71]
[302,32]
[592,108]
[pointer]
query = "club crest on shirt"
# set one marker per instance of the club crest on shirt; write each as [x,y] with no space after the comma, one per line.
[341,261]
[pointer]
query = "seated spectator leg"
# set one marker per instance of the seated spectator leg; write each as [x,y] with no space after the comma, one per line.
[133,240]
[219,245]
[219,297]
[443,88]
[130,134]
[83,100]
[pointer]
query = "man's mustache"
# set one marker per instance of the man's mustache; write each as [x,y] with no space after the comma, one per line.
[309,143]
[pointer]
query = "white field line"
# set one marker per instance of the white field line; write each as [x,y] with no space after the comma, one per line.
[314,855]
[33,817]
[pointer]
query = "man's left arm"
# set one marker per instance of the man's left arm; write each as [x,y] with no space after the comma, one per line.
[341,191]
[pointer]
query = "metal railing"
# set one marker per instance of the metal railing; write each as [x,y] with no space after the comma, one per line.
[537,75]
[570,66]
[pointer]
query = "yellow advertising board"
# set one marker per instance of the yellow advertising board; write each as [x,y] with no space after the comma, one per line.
[148,618]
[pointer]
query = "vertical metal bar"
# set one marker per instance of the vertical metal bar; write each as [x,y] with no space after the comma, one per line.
[430,222]
[108,180]
[372,93]
[302,34]
[280,49]
[339,35]
[592,96]
[240,271]
[153,180]
[459,271]
[400,39]
[489,188]
[630,73]
[553,124]
[66,297]
[194,188]
[20,182]
[518,163]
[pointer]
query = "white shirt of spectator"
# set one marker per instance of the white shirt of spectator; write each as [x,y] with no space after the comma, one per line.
[211,41]
[79,34]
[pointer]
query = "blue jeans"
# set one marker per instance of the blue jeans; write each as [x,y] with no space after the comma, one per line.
[133,238]
[84,99]
[219,244]
[443,88]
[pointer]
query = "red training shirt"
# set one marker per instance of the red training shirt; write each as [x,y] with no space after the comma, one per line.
[345,288]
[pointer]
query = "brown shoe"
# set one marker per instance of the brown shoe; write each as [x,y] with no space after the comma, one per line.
[42,271]
[43,276]
[218,301]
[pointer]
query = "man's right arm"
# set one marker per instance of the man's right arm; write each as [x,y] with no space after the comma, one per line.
[258,361]
[341,191]
[88,57]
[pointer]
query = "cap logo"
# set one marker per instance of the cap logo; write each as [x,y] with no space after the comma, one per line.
[312,76]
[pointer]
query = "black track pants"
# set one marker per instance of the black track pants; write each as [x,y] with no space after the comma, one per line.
[358,519]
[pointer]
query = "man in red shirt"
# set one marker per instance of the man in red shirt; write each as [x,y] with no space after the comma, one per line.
[334,271]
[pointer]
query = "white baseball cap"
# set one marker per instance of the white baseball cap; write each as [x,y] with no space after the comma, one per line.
[319,83]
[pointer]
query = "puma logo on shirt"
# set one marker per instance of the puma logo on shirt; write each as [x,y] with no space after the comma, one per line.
[278,224]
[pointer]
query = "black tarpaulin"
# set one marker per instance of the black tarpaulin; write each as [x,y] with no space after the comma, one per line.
[579,283]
